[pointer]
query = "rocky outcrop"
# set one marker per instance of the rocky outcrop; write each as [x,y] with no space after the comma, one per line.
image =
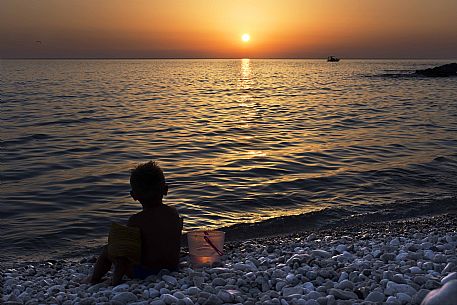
[441,71]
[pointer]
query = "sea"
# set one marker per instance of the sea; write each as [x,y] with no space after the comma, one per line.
[240,141]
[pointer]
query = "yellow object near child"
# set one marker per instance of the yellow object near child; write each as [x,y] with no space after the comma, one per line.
[124,241]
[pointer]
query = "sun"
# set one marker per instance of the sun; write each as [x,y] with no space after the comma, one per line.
[246,37]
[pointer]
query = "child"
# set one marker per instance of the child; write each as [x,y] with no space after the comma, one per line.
[160,227]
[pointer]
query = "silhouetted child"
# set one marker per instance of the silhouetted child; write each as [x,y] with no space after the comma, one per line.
[160,229]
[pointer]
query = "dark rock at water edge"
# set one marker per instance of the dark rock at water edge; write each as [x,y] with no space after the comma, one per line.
[440,71]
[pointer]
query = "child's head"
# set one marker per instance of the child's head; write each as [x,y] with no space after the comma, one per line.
[148,182]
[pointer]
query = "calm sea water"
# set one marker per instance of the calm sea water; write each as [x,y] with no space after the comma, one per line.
[239,141]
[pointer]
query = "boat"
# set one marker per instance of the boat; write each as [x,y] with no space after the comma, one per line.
[333,59]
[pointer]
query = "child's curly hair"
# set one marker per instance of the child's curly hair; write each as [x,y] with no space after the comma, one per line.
[147,180]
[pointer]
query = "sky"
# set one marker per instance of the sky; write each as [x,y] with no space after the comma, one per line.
[213,28]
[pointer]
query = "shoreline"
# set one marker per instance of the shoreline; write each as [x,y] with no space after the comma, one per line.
[331,218]
[397,260]
[337,217]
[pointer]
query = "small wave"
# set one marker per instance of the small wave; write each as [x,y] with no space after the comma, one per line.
[26,139]
[69,122]
[333,217]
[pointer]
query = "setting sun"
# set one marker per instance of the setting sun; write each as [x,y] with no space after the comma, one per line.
[246,37]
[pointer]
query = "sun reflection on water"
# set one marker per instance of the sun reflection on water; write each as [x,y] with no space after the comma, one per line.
[245,69]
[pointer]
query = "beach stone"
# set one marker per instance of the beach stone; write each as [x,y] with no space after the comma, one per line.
[439,258]
[415,270]
[193,290]
[395,242]
[431,284]
[375,296]
[279,273]
[342,294]
[420,280]
[87,301]
[428,266]
[401,256]
[157,302]
[398,278]
[55,289]
[225,296]
[198,281]
[403,298]
[169,299]
[376,253]
[344,257]
[413,256]
[188,301]
[320,253]
[312,275]
[179,295]
[322,300]
[343,276]
[446,295]
[244,267]
[309,286]
[392,301]
[394,288]
[346,284]
[153,293]
[386,257]
[330,299]
[449,268]
[313,295]
[121,288]
[297,258]
[312,302]
[327,273]
[387,275]
[291,279]
[96,287]
[341,248]
[451,276]
[125,297]
[219,282]
[287,291]
[419,296]
[426,245]
[170,280]
[280,285]
[213,300]
[429,254]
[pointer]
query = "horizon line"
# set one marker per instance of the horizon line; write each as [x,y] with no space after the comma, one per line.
[231,58]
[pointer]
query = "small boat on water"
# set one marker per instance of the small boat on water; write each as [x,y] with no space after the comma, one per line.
[333,59]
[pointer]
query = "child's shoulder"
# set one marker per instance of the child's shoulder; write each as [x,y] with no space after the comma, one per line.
[133,219]
[170,209]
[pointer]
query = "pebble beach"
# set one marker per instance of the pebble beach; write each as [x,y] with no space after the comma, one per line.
[397,262]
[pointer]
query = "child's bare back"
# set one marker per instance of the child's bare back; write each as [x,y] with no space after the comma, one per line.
[160,227]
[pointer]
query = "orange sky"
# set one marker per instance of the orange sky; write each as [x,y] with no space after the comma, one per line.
[212,28]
